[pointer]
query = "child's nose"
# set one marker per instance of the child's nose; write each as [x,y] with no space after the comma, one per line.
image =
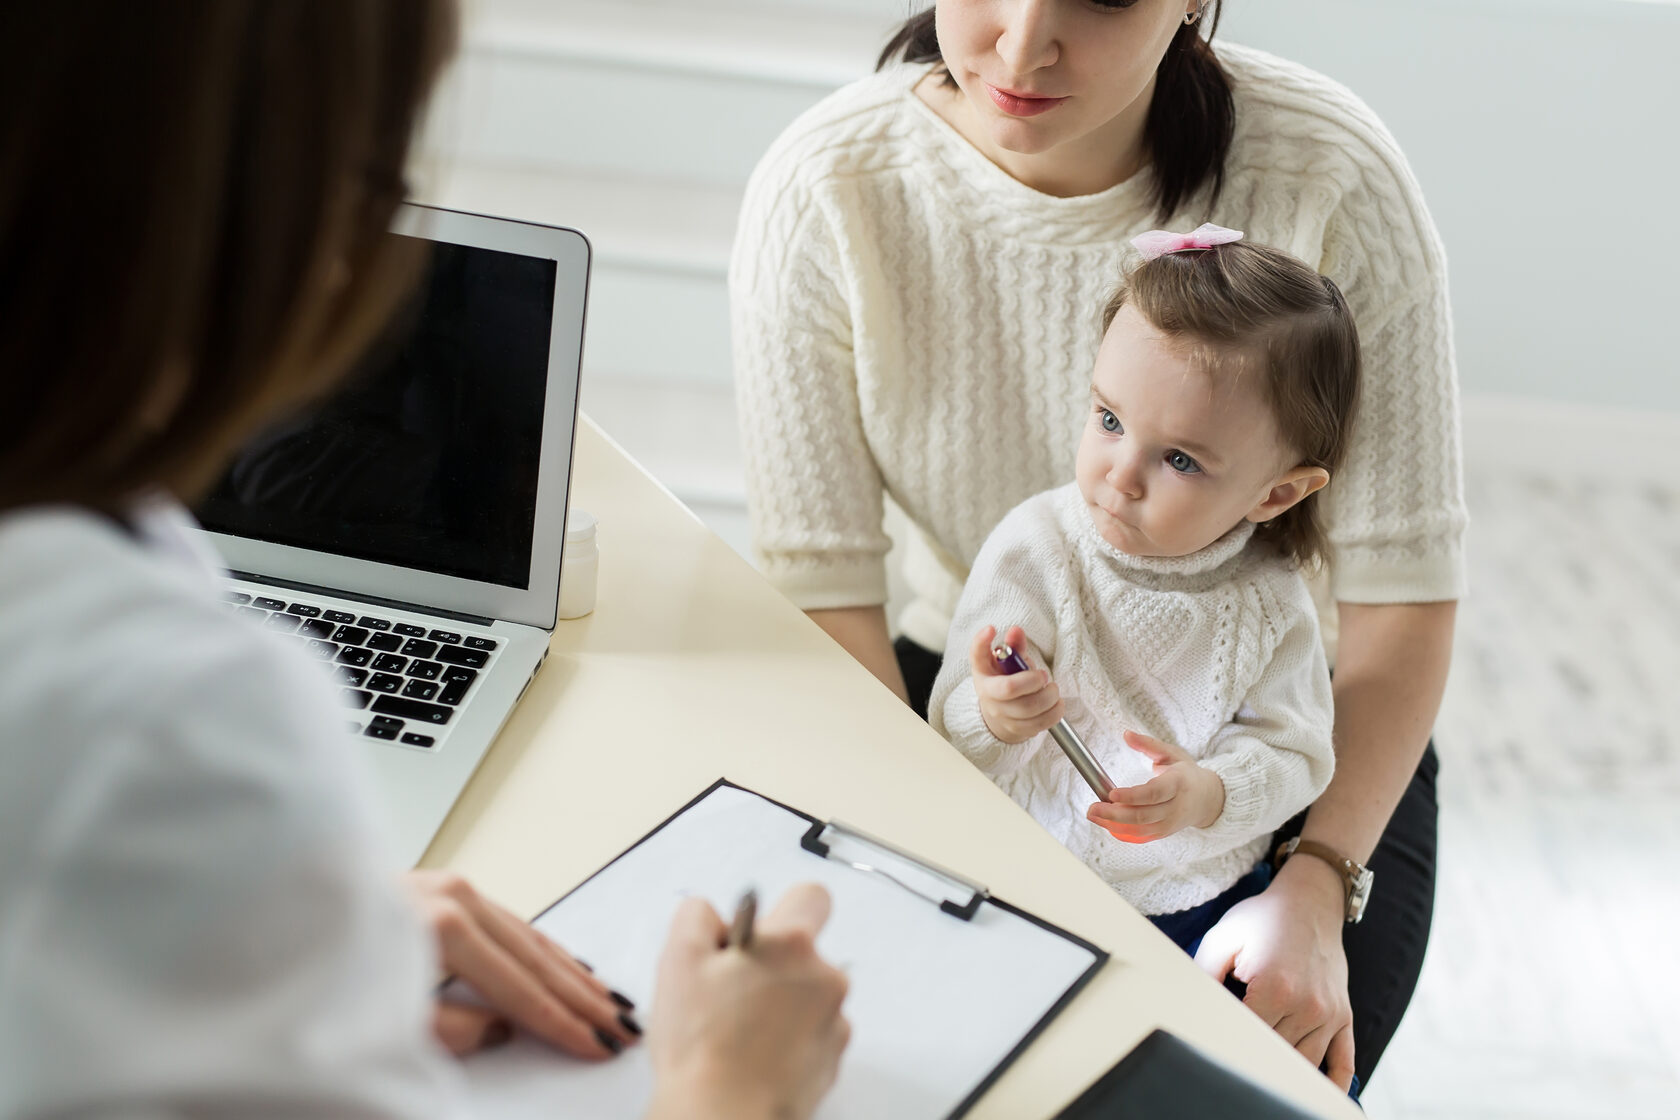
[1125,474]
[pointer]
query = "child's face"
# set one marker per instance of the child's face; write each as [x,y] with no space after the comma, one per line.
[1173,454]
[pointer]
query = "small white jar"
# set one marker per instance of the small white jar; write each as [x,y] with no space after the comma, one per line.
[579,566]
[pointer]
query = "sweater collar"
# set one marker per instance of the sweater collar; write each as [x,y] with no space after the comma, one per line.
[1201,562]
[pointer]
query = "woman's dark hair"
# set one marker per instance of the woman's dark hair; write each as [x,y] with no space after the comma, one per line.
[194,196]
[1192,116]
[1249,306]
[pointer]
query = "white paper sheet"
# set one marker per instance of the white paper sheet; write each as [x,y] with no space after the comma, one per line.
[935,1002]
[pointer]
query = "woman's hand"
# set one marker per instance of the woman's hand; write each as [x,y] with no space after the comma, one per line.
[527,980]
[1015,706]
[747,1033]
[1286,945]
[1181,795]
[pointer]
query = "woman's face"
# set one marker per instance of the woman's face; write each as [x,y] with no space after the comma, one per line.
[1039,75]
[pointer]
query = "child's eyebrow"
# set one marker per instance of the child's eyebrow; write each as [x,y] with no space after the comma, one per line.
[1201,454]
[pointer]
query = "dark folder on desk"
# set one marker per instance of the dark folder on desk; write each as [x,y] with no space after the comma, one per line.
[948,984]
[1164,1078]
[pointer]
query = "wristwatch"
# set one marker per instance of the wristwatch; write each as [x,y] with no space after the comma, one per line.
[1356,877]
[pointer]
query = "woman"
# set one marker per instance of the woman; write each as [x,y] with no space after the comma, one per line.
[196,911]
[914,294]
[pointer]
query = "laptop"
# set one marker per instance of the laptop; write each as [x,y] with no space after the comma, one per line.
[407,533]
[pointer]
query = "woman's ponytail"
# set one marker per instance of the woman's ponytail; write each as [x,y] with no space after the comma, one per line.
[1191,119]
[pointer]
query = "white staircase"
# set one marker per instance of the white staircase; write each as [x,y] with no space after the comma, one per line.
[638,122]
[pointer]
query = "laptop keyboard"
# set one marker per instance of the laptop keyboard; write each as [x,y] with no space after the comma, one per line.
[406,680]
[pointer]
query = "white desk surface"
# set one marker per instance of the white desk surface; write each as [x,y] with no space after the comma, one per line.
[693,668]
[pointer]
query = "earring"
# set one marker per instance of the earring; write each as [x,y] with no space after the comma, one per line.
[1192,17]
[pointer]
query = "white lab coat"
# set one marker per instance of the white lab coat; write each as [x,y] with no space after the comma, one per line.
[198,915]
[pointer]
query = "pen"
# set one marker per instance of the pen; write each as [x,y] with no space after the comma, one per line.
[741,929]
[1064,734]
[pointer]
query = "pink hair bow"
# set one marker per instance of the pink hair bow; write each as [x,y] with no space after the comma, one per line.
[1160,242]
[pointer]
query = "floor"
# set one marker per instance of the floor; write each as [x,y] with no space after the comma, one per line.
[1550,989]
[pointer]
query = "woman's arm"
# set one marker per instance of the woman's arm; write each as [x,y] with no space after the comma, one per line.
[862,632]
[1286,944]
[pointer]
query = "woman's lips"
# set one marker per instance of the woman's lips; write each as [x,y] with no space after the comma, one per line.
[1022,105]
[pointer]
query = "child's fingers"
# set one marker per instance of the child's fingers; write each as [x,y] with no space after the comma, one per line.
[1104,814]
[980,657]
[1135,834]
[1032,705]
[1018,686]
[1156,791]
[1158,752]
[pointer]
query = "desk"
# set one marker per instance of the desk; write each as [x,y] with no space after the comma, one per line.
[692,668]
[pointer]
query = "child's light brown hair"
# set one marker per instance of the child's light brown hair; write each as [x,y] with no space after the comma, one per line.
[1261,307]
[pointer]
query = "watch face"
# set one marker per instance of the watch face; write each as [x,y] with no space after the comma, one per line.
[1360,895]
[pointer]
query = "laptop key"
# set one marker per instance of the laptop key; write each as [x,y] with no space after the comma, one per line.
[351,655]
[389,663]
[425,670]
[420,690]
[412,709]
[325,651]
[409,630]
[455,655]
[350,635]
[354,697]
[373,623]
[384,682]
[445,636]
[316,628]
[385,643]
[417,648]
[304,610]
[351,677]
[485,644]
[238,598]
[269,604]
[285,623]
[456,681]
[383,729]
[252,612]
[414,740]
[338,616]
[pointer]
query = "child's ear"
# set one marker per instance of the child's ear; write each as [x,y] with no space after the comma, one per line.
[1288,490]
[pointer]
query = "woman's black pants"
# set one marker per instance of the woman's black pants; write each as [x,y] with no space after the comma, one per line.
[1385,950]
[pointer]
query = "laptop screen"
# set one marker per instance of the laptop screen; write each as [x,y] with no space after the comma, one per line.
[428,458]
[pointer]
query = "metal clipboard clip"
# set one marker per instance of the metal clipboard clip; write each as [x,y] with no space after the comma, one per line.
[955,894]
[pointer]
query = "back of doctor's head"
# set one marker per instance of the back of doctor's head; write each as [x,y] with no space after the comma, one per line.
[192,198]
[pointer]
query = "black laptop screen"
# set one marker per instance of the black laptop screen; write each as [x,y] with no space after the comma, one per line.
[428,457]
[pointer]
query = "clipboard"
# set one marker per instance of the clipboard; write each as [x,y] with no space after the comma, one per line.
[949,984]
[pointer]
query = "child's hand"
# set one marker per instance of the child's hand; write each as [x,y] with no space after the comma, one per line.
[1181,795]
[1017,706]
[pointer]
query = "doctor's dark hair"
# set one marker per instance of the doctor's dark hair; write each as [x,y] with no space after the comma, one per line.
[1247,306]
[194,196]
[1192,115]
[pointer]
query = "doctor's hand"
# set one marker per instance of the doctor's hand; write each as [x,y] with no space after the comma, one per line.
[1181,795]
[527,980]
[1015,706]
[750,1033]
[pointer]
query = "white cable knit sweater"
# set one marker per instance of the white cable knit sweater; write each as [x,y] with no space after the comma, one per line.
[1217,652]
[911,321]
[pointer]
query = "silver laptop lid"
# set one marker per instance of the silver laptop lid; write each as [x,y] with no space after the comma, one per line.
[438,476]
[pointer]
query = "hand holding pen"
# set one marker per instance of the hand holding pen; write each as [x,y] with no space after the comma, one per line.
[1015,705]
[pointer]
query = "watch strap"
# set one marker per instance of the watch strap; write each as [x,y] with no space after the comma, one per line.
[1349,870]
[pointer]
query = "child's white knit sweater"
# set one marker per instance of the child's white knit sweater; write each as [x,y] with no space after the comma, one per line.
[1218,652]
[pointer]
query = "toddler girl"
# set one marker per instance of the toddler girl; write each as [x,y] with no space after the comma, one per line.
[1162,589]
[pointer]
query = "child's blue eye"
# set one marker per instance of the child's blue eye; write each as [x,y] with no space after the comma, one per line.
[1110,422]
[1182,463]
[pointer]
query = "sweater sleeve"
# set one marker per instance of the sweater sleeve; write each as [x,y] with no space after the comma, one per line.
[1275,756]
[814,490]
[1012,583]
[1395,512]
